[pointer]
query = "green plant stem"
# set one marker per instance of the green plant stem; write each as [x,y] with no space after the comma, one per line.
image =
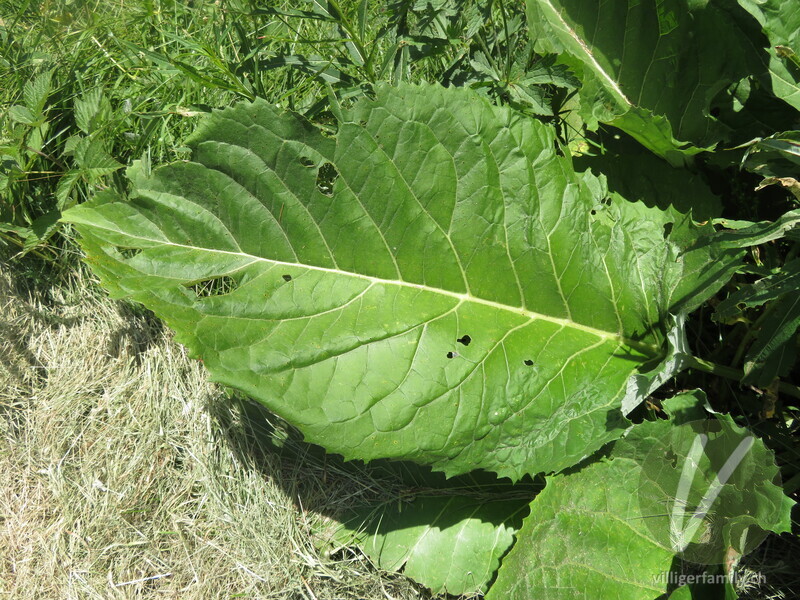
[355,39]
[47,156]
[751,333]
[736,375]
[509,46]
[33,251]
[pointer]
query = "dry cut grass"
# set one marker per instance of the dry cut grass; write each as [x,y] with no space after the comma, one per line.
[124,474]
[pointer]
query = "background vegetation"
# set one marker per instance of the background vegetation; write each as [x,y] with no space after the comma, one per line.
[124,473]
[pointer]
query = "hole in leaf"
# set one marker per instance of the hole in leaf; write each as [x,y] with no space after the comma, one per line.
[326,176]
[671,458]
[128,252]
[667,230]
[528,362]
[306,162]
[593,212]
[741,305]
[452,354]
[464,340]
[216,286]
[287,277]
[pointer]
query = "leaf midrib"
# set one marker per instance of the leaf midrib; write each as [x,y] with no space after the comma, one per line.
[647,349]
[612,84]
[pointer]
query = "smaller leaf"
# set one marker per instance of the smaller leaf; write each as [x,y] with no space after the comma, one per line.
[22,114]
[780,22]
[35,92]
[531,97]
[546,74]
[65,186]
[786,143]
[450,544]
[91,110]
[41,230]
[93,159]
[22,232]
[592,540]
[775,157]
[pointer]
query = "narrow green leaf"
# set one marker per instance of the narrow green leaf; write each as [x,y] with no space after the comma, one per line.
[362,18]
[759,233]
[760,292]
[774,351]
[327,69]
[293,13]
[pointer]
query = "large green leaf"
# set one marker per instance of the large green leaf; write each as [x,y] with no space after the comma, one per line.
[780,20]
[433,283]
[622,531]
[585,533]
[651,68]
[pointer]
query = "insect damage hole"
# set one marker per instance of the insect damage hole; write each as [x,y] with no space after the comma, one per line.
[128,252]
[307,162]
[464,340]
[528,362]
[216,286]
[286,277]
[326,176]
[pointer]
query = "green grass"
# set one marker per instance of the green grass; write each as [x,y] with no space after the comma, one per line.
[140,74]
[114,82]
